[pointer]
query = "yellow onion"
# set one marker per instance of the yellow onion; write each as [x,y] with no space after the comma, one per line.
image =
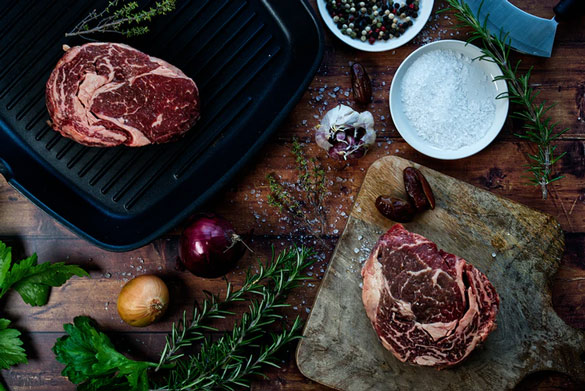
[143,300]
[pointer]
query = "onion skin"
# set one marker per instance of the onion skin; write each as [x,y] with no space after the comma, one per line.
[209,247]
[143,300]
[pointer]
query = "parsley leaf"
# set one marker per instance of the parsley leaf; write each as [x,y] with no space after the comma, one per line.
[5,260]
[33,281]
[91,359]
[11,351]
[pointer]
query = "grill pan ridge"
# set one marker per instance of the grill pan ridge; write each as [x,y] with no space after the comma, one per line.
[251,59]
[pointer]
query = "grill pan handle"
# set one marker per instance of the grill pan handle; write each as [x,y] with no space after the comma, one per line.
[5,150]
[5,170]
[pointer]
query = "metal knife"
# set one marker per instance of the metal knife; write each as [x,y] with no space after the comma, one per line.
[528,33]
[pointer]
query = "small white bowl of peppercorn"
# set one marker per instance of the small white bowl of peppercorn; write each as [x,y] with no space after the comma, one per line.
[375,25]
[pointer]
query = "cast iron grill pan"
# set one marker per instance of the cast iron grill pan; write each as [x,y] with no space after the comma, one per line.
[251,59]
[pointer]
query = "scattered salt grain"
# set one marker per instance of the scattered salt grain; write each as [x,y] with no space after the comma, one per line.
[448,99]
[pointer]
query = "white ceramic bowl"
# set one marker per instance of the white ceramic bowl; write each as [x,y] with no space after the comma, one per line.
[426,7]
[407,131]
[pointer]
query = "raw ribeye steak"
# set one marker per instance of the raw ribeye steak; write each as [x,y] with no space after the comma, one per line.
[427,306]
[108,94]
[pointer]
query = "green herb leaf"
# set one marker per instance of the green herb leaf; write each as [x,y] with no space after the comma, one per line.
[227,363]
[91,359]
[538,128]
[5,260]
[11,351]
[32,281]
[121,18]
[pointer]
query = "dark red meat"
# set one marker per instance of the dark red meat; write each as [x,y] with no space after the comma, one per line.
[108,94]
[427,306]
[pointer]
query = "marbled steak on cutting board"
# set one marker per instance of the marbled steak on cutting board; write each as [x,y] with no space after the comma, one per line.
[340,348]
[427,306]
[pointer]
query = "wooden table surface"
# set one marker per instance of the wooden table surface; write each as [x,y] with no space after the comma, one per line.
[499,168]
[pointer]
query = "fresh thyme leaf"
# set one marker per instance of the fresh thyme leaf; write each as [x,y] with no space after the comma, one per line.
[538,127]
[303,202]
[11,351]
[92,360]
[121,18]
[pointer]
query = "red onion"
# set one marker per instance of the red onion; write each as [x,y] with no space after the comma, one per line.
[209,247]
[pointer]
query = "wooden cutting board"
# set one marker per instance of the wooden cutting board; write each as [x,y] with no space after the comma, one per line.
[519,249]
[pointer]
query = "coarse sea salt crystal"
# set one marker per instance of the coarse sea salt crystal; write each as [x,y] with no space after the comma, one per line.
[448,99]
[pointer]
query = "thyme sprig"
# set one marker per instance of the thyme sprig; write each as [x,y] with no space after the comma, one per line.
[303,202]
[311,181]
[538,126]
[227,362]
[120,18]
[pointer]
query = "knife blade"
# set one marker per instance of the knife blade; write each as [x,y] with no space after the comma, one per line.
[527,33]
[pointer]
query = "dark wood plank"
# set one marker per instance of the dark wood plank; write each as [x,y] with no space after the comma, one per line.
[498,169]
[504,176]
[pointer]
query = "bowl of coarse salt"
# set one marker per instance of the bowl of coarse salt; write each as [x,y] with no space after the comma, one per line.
[445,101]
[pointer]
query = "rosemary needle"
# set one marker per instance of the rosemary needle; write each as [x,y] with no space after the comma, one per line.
[538,127]
[227,362]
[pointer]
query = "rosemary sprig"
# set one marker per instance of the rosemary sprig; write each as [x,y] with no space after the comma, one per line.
[226,363]
[92,360]
[265,357]
[186,332]
[306,199]
[538,127]
[120,18]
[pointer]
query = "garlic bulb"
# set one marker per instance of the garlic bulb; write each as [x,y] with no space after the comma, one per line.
[346,134]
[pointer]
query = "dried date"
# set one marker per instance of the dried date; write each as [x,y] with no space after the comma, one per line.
[361,84]
[418,189]
[395,209]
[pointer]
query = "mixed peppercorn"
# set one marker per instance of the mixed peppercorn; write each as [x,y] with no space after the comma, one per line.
[373,20]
